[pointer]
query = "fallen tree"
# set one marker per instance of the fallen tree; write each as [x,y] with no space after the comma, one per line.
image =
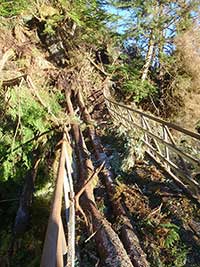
[110,248]
[127,233]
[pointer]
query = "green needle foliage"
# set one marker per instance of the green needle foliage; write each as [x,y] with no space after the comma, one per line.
[127,80]
[9,8]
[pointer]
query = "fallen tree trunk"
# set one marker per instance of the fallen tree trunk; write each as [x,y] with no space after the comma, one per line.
[110,248]
[128,237]
[108,243]
[90,127]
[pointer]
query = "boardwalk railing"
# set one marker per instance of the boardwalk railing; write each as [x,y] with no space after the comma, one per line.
[56,249]
[172,146]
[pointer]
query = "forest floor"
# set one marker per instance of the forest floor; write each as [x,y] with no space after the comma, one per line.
[166,221]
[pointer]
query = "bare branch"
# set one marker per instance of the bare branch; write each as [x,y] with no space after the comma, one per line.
[8,55]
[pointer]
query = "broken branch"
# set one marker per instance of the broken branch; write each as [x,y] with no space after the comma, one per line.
[8,55]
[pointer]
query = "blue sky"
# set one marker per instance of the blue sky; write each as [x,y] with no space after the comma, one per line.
[120,25]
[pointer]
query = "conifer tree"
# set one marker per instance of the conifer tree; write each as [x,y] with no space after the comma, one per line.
[152,26]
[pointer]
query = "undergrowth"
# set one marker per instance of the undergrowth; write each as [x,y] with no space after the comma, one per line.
[10,8]
[159,233]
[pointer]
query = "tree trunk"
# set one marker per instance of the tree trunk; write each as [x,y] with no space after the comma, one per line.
[149,58]
[128,237]
[109,246]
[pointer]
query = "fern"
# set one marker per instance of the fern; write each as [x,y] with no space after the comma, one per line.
[172,235]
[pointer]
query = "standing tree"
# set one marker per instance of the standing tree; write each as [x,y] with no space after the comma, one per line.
[152,26]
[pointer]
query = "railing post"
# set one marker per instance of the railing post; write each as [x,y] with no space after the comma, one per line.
[144,126]
[130,116]
[165,138]
[180,158]
[119,110]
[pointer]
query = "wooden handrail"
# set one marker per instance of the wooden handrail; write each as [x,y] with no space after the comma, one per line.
[172,147]
[154,118]
[52,250]
[55,245]
[161,145]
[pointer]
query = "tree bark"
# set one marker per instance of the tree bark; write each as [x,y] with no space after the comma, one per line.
[128,237]
[149,57]
[109,246]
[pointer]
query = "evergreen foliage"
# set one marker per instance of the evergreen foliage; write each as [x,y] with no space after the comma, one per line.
[127,80]
[151,27]
[9,8]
